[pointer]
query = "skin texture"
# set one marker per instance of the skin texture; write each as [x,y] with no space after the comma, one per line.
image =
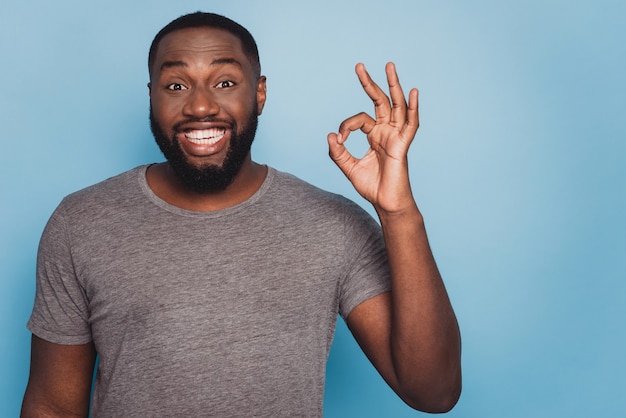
[409,334]
[59,381]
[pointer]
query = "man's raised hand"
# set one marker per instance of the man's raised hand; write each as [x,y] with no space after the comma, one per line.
[381,176]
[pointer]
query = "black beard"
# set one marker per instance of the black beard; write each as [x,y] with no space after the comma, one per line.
[207,178]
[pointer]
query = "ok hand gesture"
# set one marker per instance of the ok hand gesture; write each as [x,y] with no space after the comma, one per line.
[381,176]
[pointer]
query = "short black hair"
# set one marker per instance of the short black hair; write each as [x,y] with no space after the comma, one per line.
[211,20]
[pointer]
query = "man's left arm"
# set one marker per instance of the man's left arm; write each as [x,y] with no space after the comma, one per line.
[410,334]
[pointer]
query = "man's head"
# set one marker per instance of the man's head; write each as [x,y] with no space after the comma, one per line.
[205,95]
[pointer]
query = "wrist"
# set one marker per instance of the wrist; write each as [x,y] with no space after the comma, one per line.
[402,215]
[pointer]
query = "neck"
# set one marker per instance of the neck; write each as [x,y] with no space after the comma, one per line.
[166,185]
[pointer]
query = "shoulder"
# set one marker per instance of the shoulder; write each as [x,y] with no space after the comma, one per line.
[291,194]
[102,202]
[111,191]
[120,183]
[294,189]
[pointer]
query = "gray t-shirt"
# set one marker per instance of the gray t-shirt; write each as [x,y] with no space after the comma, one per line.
[225,313]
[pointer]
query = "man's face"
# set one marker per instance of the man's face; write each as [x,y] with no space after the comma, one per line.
[204,101]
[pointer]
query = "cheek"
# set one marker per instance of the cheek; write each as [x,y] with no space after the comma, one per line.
[164,110]
[244,107]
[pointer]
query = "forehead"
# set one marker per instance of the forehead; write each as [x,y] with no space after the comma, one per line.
[191,44]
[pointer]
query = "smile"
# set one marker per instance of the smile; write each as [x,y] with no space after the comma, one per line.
[205,136]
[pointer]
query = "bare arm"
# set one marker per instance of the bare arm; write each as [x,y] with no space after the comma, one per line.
[410,334]
[60,380]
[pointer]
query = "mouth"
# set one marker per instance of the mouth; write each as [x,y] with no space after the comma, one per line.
[204,136]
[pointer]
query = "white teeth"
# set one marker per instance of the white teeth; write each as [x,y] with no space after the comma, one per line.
[205,136]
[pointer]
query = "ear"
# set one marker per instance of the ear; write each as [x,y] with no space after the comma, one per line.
[261,91]
[149,88]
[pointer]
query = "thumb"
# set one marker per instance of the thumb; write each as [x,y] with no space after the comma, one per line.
[339,153]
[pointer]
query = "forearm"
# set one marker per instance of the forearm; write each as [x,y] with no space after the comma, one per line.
[425,340]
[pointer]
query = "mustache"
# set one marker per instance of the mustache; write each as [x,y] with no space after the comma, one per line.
[179,126]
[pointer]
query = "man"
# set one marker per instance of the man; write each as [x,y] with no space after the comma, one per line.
[210,284]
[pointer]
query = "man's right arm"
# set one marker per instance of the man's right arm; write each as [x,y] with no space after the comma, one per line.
[60,379]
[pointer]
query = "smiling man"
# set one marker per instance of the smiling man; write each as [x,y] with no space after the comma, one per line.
[209,285]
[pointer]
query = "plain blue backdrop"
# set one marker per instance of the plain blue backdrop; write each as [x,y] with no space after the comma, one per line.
[518,167]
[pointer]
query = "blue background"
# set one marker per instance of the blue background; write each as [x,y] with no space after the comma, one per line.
[518,167]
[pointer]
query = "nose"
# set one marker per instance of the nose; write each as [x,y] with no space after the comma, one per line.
[201,103]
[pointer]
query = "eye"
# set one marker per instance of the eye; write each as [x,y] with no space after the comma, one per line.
[225,84]
[176,87]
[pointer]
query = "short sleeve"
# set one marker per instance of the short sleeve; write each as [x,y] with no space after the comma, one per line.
[60,313]
[367,270]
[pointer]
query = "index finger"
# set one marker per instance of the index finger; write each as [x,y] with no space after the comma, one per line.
[382,106]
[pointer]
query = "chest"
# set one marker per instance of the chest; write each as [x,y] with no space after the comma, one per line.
[160,281]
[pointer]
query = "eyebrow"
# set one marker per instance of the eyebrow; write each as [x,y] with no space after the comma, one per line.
[171,64]
[222,61]
[218,61]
